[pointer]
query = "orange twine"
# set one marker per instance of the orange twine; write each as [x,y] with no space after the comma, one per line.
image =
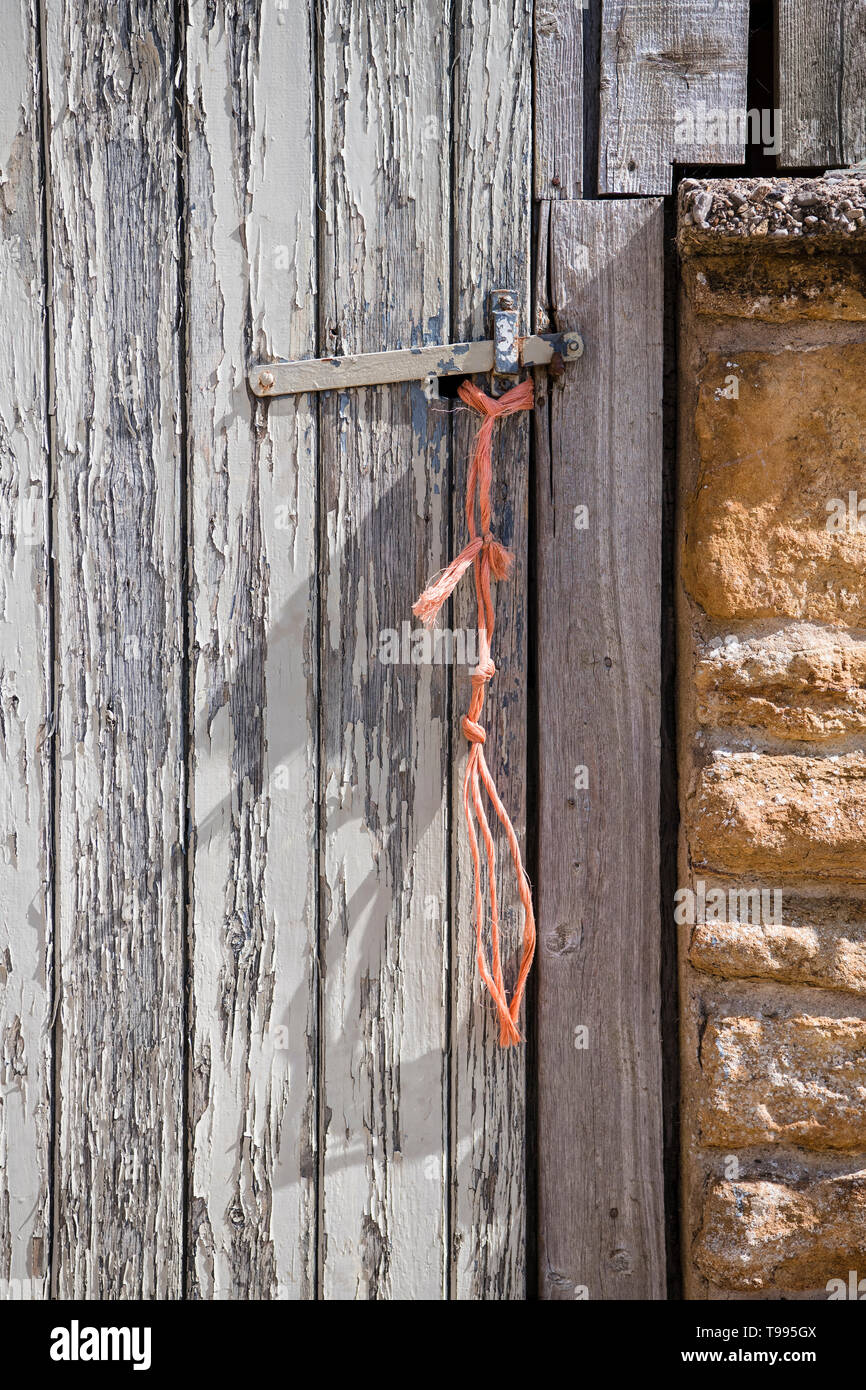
[489,557]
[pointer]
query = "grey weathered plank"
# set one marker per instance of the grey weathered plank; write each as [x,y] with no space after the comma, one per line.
[493,143]
[558,98]
[25,789]
[117,541]
[253,880]
[385,284]
[822,81]
[599,617]
[662,62]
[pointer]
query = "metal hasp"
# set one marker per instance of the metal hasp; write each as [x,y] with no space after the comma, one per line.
[506,350]
[502,356]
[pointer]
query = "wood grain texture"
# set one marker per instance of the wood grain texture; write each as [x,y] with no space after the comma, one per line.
[113,221]
[385,89]
[822,81]
[25,735]
[661,62]
[558,98]
[493,144]
[251,279]
[601,1224]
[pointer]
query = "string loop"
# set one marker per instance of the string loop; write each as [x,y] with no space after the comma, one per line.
[489,558]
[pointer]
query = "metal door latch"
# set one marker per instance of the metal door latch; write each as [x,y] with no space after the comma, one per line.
[502,356]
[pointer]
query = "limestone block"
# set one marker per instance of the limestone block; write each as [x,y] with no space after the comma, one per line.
[829,954]
[799,1080]
[756,1235]
[799,682]
[780,817]
[777,467]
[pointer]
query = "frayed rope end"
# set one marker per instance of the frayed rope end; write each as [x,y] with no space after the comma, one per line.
[439,589]
[501,559]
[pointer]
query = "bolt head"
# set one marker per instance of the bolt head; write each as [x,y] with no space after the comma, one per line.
[266,380]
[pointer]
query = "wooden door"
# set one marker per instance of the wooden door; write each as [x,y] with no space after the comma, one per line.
[245,1052]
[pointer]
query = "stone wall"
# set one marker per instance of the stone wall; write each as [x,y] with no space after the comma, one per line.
[771,593]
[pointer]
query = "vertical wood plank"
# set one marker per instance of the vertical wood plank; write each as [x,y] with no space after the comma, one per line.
[558,98]
[599,614]
[25,926]
[251,277]
[493,143]
[673,89]
[384,464]
[822,81]
[113,219]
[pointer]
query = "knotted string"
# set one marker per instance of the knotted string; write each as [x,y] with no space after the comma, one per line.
[489,558]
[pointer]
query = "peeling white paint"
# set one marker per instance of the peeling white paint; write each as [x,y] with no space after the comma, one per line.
[25,944]
[114,256]
[249,105]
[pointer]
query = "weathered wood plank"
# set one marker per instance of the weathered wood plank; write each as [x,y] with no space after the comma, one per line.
[673,89]
[558,98]
[253,882]
[25,788]
[493,143]
[599,618]
[117,539]
[384,456]
[822,82]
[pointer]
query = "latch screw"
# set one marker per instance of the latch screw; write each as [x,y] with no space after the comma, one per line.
[266,380]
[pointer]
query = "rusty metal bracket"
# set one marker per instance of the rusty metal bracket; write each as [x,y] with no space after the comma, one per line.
[506,349]
[502,356]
